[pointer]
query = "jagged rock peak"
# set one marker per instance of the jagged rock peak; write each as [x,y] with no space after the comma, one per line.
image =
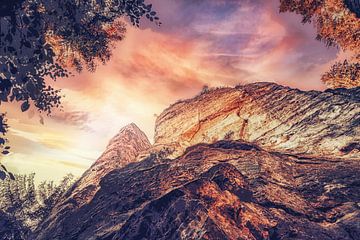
[121,150]
[130,131]
[275,117]
[129,141]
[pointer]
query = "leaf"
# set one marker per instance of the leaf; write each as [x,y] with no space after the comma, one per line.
[13,69]
[25,106]
[26,20]
[5,84]
[4,167]
[2,175]
[27,44]
[12,177]
[9,38]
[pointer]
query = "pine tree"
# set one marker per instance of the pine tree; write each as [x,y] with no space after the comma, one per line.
[27,205]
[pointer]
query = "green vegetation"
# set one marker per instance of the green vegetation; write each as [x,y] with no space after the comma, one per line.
[26,205]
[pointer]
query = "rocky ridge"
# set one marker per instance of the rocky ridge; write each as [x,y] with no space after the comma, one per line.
[197,182]
[277,118]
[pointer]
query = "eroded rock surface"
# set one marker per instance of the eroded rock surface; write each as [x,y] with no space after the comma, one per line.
[121,150]
[277,118]
[294,174]
[226,190]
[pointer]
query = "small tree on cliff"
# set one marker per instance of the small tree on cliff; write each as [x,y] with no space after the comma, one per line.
[343,75]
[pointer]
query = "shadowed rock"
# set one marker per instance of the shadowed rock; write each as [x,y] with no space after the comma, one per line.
[226,190]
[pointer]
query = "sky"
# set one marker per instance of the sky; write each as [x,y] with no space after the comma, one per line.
[213,42]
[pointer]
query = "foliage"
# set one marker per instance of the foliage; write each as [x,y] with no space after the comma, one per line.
[5,149]
[205,89]
[10,228]
[343,75]
[337,24]
[29,205]
[306,8]
[44,39]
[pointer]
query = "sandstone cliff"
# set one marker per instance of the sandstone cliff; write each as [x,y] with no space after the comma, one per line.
[277,118]
[297,179]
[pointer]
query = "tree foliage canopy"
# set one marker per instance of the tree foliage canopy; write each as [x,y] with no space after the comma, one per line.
[338,24]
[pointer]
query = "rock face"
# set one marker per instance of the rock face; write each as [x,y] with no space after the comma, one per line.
[226,190]
[298,179]
[275,117]
[121,150]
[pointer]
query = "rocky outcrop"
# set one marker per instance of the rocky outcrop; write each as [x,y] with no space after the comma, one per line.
[121,150]
[277,118]
[226,190]
[258,161]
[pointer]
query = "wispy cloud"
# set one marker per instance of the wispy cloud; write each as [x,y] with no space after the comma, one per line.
[215,42]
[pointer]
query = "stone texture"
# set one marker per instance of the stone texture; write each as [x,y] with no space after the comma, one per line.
[226,190]
[294,174]
[277,118]
[121,150]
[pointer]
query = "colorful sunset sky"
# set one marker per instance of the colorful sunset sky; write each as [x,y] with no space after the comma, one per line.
[213,42]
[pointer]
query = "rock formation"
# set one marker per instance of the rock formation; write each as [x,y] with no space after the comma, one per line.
[294,174]
[121,150]
[277,118]
[226,190]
